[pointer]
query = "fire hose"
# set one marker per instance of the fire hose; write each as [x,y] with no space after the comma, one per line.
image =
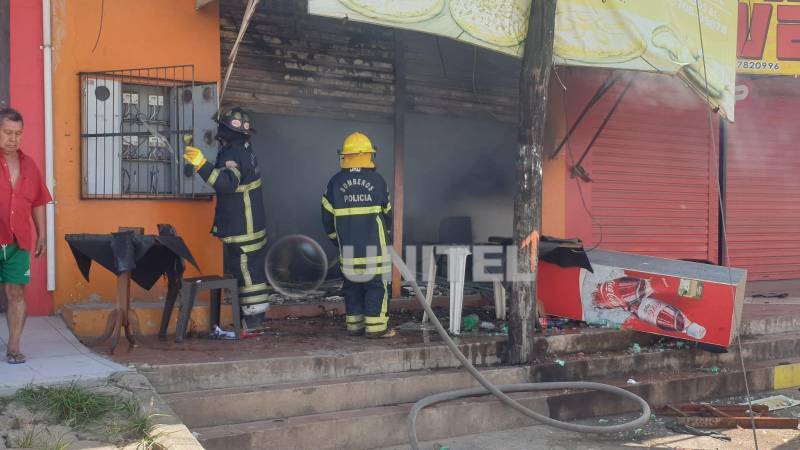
[500,391]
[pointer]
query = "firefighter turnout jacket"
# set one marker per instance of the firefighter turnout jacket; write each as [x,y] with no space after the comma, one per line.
[239,217]
[357,215]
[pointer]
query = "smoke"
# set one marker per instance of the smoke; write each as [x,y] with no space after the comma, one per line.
[663,91]
[482,176]
[492,215]
[458,167]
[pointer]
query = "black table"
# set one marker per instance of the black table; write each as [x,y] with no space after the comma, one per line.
[132,255]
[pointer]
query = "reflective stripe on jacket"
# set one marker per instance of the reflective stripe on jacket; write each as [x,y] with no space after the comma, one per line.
[239,215]
[357,216]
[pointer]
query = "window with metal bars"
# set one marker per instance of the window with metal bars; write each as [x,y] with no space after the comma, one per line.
[134,126]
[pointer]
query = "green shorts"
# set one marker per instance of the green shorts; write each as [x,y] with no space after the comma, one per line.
[15,264]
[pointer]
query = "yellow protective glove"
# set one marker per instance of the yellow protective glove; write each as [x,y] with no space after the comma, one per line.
[194,156]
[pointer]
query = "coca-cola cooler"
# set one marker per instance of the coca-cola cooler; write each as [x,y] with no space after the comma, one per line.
[685,300]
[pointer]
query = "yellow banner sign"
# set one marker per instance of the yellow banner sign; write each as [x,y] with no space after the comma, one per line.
[694,39]
[769,37]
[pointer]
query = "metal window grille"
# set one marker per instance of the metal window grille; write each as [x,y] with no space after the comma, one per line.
[133,128]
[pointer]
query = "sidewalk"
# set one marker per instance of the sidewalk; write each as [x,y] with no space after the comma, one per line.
[54,356]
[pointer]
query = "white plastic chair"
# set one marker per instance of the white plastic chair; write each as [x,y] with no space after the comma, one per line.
[431,286]
[457,268]
[500,295]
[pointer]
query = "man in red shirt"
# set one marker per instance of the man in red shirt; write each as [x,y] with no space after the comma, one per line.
[23,196]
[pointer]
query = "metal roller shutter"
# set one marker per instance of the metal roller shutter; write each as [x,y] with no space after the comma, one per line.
[763,186]
[654,173]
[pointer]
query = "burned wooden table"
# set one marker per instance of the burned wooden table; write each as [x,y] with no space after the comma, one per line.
[131,255]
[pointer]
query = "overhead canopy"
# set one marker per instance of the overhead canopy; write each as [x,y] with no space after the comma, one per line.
[694,39]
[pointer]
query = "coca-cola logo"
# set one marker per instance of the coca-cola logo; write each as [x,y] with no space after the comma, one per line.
[610,294]
[607,295]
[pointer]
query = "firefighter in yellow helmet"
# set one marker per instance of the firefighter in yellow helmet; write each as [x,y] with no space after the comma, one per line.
[357,216]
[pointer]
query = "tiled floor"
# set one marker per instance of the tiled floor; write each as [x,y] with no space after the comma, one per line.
[54,356]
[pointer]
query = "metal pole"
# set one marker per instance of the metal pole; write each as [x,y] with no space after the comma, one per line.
[399,153]
[49,144]
[723,190]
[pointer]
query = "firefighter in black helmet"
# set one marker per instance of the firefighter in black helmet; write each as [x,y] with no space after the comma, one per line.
[239,217]
[357,216]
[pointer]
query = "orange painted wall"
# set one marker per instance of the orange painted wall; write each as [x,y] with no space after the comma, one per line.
[135,34]
[554,175]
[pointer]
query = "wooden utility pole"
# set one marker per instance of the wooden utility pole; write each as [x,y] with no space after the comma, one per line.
[399,152]
[534,80]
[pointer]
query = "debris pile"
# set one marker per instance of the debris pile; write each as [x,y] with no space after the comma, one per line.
[705,415]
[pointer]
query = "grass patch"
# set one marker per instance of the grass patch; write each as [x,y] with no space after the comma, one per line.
[59,444]
[72,405]
[142,425]
[28,439]
[37,438]
[117,419]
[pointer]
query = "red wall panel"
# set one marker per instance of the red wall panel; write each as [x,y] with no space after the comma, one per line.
[27,95]
[763,186]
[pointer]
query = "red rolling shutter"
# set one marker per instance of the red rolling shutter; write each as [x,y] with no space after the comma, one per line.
[763,182]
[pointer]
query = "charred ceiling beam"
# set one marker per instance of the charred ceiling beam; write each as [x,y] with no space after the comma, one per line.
[311,66]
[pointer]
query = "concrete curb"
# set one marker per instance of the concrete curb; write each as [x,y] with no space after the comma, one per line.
[169,430]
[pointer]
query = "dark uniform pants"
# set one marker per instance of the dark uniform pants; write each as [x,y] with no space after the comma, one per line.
[249,270]
[366,305]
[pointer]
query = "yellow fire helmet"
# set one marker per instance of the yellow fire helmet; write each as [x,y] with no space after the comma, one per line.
[357,143]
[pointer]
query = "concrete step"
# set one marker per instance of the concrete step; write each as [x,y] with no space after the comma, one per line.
[386,426]
[485,352]
[237,405]
[234,405]
[578,367]
[767,319]
[325,366]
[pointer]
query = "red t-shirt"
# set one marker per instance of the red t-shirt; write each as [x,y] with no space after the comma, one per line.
[17,202]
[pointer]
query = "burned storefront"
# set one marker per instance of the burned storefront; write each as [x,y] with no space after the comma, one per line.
[311,81]
[634,170]
[618,173]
